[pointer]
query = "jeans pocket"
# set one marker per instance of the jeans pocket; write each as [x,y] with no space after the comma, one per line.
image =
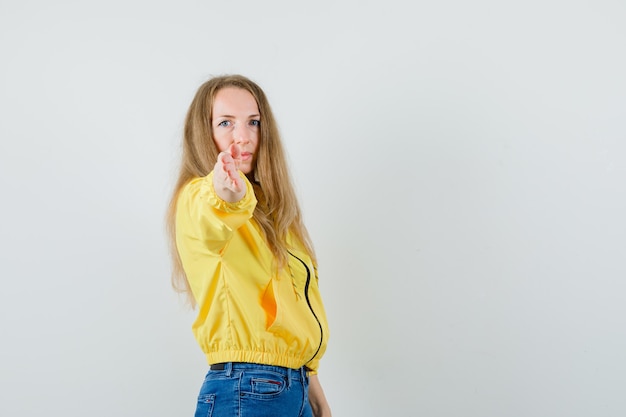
[205,405]
[262,384]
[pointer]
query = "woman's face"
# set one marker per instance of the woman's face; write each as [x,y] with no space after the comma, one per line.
[236,119]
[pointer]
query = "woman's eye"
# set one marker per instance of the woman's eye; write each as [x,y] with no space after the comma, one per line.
[224,123]
[255,122]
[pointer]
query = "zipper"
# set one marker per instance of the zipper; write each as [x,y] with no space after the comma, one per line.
[306,296]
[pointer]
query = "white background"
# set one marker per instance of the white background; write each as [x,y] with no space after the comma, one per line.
[461,166]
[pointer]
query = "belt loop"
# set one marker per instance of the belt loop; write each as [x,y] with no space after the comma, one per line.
[288,377]
[229,369]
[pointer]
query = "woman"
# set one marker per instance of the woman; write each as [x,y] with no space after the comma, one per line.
[244,258]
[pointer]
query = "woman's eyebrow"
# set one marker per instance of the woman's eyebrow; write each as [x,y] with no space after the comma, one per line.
[232,116]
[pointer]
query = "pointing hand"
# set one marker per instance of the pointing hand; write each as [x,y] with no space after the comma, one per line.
[226,180]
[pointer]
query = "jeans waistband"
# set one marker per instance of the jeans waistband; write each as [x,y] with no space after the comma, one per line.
[228,367]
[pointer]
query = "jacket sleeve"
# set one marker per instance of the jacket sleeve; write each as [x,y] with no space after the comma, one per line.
[204,222]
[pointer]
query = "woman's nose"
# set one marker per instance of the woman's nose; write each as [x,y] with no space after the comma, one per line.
[240,135]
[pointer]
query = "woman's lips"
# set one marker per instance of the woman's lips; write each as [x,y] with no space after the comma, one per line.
[245,156]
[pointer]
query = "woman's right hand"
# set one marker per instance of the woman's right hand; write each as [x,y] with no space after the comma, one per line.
[227,181]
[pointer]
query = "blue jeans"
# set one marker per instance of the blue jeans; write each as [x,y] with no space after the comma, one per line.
[252,390]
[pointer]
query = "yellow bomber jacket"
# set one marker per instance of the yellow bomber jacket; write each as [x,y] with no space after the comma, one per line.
[248,310]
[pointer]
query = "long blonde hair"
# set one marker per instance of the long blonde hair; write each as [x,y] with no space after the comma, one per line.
[277,212]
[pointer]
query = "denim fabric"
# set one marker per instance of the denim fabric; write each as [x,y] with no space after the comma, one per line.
[252,390]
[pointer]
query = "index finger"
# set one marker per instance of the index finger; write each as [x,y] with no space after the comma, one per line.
[234,151]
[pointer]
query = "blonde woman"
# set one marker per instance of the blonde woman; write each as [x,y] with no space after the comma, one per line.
[243,257]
